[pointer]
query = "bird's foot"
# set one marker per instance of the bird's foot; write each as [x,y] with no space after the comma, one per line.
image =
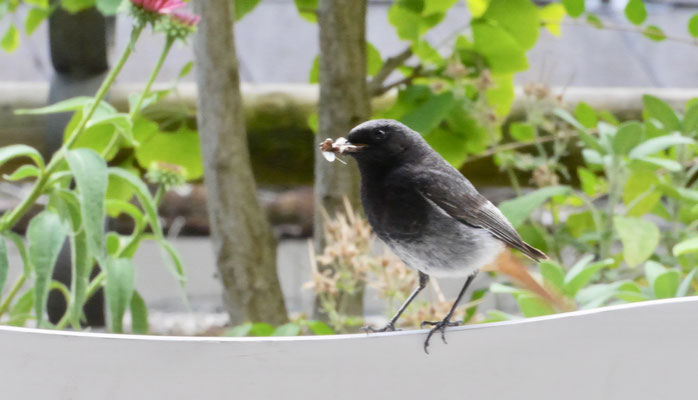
[437,326]
[388,328]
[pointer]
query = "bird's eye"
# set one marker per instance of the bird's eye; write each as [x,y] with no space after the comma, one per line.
[379,134]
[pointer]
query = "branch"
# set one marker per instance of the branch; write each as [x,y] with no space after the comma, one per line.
[375,85]
[416,73]
[621,28]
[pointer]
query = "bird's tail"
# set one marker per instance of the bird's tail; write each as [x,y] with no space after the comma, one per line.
[533,253]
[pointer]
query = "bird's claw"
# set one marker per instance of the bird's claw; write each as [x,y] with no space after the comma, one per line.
[437,326]
[388,328]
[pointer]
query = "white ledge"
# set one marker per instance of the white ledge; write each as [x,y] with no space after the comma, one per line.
[635,351]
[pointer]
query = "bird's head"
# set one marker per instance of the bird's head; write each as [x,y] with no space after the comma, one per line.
[385,141]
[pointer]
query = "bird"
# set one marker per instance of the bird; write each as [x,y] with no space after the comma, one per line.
[427,212]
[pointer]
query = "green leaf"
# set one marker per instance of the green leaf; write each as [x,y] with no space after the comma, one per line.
[314,75]
[307,9]
[10,40]
[175,265]
[519,18]
[110,7]
[4,263]
[118,290]
[532,305]
[690,120]
[686,246]
[261,329]
[503,53]
[574,8]
[635,11]
[470,311]
[595,21]
[693,25]
[662,112]
[667,284]
[657,144]
[639,238]
[18,241]
[239,330]
[139,314]
[581,273]
[181,148]
[72,104]
[143,195]
[243,7]
[8,153]
[405,21]
[437,6]
[551,17]
[519,209]
[500,95]
[23,172]
[319,328]
[74,6]
[654,32]
[289,329]
[686,283]
[427,54]
[669,165]
[81,267]
[588,180]
[34,18]
[477,7]
[641,183]
[117,207]
[553,273]
[120,121]
[586,115]
[373,59]
[91,179]
[586,137]
[46,234]
[21,311]
[429,114]
[522,132]
[497,287]
[628,136]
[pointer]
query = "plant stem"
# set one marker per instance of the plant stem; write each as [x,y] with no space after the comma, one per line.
[13,292]
[158,66]
[11,219]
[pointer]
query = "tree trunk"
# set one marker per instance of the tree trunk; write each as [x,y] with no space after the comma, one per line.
[243,241]
[344,103]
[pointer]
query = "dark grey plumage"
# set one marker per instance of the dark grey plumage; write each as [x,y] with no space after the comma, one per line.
[425,210]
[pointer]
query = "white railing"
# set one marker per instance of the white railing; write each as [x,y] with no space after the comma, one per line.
[636,351]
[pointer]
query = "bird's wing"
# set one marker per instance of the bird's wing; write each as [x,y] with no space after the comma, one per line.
[456,196]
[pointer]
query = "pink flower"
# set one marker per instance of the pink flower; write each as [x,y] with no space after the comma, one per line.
[186,19]
[159,6]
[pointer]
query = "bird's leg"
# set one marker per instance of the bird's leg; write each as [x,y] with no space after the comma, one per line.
[423,280]
[441,325]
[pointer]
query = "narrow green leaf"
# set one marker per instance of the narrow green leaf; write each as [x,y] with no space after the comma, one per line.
[46,234]
[239,330]
[686,283]
[72,104]
[118,290]
[23,172]
[289,329]
[657,144]
[18,241]
[686,246]
[175,262]
[519,209]
[4,263]
[81,267]
[139,314]
[8,153]
[669,165]
[635,11]
[654,32]
[10,40]
[580,275]
[553,273]
[21,311]
[639,237]
[628,136]
[584,134]
[144,197]
[91,179]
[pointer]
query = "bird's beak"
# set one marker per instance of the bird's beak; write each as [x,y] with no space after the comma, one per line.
[353,147]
